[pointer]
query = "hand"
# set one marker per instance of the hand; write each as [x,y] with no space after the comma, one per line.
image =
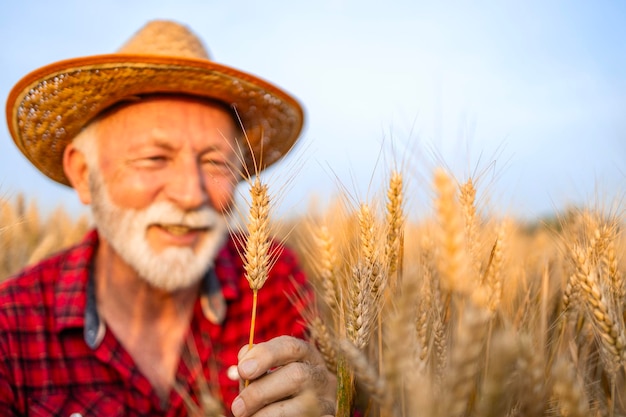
[287,377]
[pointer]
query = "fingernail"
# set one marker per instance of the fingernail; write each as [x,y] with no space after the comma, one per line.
[238,407]
[248,367]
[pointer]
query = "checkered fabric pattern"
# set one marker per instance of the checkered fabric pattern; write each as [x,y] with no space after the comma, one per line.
[47,369]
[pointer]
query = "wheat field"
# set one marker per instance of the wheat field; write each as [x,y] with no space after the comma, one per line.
[455,311]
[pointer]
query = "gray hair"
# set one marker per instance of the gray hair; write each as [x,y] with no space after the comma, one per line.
[86,141]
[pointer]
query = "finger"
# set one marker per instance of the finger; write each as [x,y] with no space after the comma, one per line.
[305,404]
[244,349]
[291,380]
[284,382]
[274,353]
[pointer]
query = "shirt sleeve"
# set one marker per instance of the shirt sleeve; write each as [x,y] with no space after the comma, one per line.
[8,398]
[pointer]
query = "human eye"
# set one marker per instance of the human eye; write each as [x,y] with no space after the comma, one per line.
[216,165]
[150,161]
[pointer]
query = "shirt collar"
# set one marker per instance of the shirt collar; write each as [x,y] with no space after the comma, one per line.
[75,304]
[71,286]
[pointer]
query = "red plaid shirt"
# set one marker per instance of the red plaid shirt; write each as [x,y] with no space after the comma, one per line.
[47,368]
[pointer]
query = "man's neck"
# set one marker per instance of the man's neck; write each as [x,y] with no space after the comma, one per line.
[149,322]
[123,293]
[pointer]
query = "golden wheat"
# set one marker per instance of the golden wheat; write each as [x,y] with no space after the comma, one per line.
[257,255]
[438,313]
[569,390]
[27,236]
[395,221]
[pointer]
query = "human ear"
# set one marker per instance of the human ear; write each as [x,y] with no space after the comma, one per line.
[77,171]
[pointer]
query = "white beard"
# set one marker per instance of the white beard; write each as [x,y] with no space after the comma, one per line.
[125,230]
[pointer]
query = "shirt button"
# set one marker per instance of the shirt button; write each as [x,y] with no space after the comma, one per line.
[233,373]
[76,415]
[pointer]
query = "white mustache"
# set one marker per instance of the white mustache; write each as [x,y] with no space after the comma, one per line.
[166,213]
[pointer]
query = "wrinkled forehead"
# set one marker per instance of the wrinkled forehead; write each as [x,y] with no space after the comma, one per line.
[166,122]
[134,100]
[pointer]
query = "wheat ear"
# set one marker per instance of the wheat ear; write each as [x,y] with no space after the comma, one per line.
[493,273]
[569,390]
[257,252]
[453,264]
[400,339]
[607,325]
[609,264]
[395,220]
[365,372]
[368,245]
[439,354]
[465,362]
[530,366]
[360,317]
[495,398]
[323,339]
[327,267]
[424,311]
[467,198]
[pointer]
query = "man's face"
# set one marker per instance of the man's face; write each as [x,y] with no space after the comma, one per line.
[167,175]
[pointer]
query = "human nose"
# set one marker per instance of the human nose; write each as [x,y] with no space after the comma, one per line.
[187,186]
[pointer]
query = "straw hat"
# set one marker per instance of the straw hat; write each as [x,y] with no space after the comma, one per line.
[49,106]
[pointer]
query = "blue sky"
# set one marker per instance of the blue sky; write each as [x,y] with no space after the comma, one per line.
[530,94]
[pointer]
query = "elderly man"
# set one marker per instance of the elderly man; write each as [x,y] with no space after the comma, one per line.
[148,315]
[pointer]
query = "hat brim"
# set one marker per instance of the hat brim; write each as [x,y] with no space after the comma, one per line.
[49,106]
